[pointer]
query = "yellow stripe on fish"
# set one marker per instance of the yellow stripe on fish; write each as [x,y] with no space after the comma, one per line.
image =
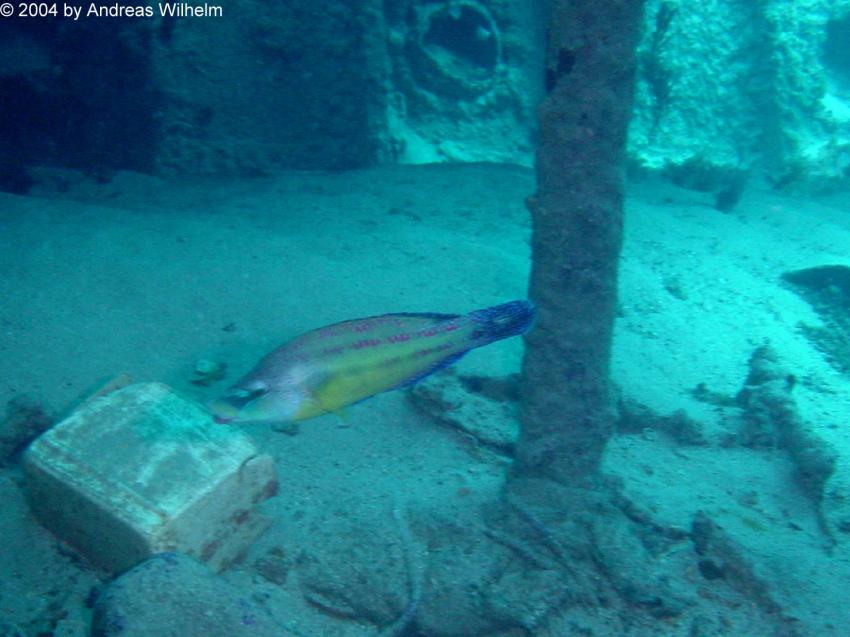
[335,366]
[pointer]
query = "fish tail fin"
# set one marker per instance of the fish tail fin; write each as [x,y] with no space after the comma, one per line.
[502,321]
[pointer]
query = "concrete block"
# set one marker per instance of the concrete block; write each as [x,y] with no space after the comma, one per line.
[140,471]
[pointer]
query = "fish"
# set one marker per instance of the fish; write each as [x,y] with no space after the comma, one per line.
[332,367]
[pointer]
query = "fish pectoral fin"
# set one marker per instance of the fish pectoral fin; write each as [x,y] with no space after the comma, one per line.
[344,416]
[321,398]
[341,412]
[433,369]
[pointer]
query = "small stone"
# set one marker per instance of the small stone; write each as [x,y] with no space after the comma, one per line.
[674,287]
[272,568]
[288,428]
[172,594]
[207,372]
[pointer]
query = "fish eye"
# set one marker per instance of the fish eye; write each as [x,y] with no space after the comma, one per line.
[241,396]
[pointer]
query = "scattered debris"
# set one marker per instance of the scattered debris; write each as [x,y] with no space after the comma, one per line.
[827,289]
[719,557]
[703,394]
[635,417]
[485,409]
[771,420]
[673,285]
[729,194]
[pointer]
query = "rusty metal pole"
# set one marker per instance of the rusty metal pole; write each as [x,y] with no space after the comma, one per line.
[577,216]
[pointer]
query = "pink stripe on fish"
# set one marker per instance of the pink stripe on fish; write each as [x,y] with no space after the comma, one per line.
[432,350]
[368,342]
[448,326]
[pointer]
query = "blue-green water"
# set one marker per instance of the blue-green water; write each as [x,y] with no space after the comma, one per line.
[182,195]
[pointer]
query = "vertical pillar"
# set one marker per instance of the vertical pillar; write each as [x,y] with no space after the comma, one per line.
[577,217]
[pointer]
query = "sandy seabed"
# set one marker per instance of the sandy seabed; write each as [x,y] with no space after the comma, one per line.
[145,277]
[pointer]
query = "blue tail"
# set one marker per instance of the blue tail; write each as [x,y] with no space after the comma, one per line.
[502,321]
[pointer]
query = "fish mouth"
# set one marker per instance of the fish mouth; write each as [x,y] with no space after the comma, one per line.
[222,412]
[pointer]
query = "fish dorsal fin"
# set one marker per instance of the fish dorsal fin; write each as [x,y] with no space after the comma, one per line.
[430,315]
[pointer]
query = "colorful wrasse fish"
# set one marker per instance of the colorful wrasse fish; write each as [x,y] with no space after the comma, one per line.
[331,367]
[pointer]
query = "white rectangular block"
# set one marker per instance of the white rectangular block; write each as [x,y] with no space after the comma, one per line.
[141,471]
